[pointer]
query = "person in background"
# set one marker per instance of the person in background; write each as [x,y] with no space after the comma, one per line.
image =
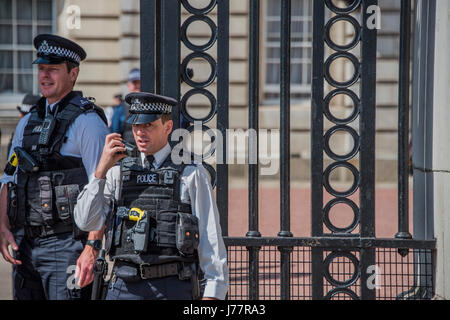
[109,111]
[28,101]
[134,85]
[118,117]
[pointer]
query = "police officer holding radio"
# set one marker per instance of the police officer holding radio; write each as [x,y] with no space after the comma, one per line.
[55,151]
[162,221]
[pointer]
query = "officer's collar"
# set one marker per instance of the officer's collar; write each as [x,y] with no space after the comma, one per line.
[160,156]
[51,105]
[63,101]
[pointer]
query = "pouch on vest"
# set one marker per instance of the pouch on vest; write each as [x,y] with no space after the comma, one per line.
[140,233]
[66,198]
[127,273]
[187,233]
[117,235]
[165,229]
[46,194]
[12,203]
[109,231]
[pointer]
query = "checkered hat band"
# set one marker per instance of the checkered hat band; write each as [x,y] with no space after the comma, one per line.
[157,107]
[61,52]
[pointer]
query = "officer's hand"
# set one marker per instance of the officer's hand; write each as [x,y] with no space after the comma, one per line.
[7,239]
[84,271]
[110,156]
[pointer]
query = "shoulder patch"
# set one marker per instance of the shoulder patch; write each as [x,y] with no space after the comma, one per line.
[87,105]
[80,101]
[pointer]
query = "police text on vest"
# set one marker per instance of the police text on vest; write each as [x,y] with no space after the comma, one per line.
[150,178]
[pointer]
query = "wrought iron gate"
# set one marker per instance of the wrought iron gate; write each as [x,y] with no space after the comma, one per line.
[339,264]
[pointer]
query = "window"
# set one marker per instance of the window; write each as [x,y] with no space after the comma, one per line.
[20,22]
[301,50]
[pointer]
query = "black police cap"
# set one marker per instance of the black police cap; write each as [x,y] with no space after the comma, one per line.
[147,107]
[28,101]
[53,49]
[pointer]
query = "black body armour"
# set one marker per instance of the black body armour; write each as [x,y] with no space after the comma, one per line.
[166,231]
[47,196]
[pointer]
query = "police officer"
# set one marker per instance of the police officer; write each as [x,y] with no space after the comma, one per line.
[55,151]
[133,85]
[118,115]
[161,217]
[28,101]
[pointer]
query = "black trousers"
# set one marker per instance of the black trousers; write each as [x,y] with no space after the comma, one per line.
[167,288]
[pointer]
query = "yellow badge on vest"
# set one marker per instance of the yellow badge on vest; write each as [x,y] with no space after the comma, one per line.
[11,165]
[135,214]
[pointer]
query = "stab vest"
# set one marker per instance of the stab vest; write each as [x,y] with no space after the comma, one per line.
[157,192]
[48,196]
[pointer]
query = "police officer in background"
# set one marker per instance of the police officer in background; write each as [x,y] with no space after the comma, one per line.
[161,217]
[133,85]
[28,101]
[118,115]
[57,146]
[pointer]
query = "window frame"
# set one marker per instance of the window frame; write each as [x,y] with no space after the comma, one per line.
[16,48]
[300,92]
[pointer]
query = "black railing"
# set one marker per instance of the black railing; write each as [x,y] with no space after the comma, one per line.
[334,262]
[403,120]
[253,124]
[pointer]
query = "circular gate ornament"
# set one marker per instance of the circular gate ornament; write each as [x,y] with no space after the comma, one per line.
[205,10]
[204,56]
[330,189]
[336,291]
[356,38]
[352,6]
[347,202]
[356,66]
[356,106]
[207,94]
[333,155]
[193,46]
[339,283]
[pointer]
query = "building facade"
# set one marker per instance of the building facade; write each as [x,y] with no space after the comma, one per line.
[109,30]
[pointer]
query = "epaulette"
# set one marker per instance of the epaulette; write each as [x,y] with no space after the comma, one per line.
[88,106]
[82,102]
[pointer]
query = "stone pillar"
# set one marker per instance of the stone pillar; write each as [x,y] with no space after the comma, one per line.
[441,147]
[431,131]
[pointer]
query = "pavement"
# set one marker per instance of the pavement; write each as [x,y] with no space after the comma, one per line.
[269,219]
[5,280]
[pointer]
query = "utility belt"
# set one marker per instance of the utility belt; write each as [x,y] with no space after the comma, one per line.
[64,197]
[45,231]
[131,272]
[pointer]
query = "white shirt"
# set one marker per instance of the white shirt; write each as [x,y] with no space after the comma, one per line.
[95,200]
[85,140]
